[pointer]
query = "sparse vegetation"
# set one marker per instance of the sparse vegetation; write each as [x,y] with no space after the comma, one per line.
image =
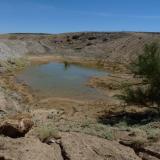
[13,64]
[88,127]
[153,133]
[75,37]
[46,132]
[92,38]
[12,37]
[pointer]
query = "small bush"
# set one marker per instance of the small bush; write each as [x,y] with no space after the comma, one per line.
[109,135]
[89,44]
[92,38]
[147,69]
[134,96]
[153,135]
[45,133]
[75,37]
[88,127]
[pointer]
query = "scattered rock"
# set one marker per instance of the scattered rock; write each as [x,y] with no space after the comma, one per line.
[15,128]
[28,149]
[146,150]
[145,156]
[9,103]
[44,115]
[2,70]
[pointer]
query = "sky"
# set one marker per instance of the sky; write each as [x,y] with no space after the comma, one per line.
[59,16]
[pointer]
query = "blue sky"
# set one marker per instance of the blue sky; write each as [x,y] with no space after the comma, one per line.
[57,16]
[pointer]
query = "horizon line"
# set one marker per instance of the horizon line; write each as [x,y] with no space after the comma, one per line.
[49,33]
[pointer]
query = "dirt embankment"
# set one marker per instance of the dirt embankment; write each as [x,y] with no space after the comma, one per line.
[117,47]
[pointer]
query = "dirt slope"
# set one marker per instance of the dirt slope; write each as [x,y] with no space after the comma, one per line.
[116,46]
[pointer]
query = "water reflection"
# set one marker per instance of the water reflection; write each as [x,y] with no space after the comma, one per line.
[66,65]
[61,80]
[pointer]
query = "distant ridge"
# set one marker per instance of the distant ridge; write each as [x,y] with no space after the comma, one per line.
[119,47]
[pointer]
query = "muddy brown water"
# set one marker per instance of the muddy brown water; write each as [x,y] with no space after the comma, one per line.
[62,80]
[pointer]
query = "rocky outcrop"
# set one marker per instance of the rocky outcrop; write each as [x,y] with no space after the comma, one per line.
[16,128]
[72,146]
[77,146]
[147,151]
[28,149]
[44,115]
[10,102]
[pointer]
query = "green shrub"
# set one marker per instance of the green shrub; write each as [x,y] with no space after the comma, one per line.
[147,69]
[134,96]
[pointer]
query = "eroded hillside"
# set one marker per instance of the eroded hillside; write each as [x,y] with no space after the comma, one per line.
[115,47]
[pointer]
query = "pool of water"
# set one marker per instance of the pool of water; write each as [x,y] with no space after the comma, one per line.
[61,80]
